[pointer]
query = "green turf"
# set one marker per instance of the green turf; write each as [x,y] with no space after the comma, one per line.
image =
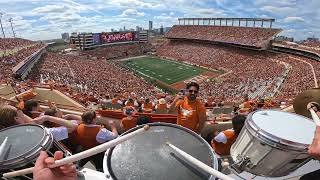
[166,71]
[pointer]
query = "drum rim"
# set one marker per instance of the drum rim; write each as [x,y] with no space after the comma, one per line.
[107,158]
[32,153]
[273,139]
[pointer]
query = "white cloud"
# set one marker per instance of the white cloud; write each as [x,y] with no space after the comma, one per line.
[135,4]
[279,10]
[63,17]
[275,2]
[293,19]
[50,9]
[208,11]
[131,12]
[162,17]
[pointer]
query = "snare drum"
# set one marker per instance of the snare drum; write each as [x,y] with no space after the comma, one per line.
[24,145]
[148,157]
[273,143]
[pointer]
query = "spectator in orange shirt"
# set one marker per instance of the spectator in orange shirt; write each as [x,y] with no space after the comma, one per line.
[224,140]
[191,111]
[147,106]
[129,121]
[162,107]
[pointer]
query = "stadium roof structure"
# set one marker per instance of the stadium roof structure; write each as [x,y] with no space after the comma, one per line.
[224,21]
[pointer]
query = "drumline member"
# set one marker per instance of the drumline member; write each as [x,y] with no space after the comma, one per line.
[191,111]
[314,148]
[70,142]
[224,140]
[89,135]
[129,121]
[32,108]
[10,116]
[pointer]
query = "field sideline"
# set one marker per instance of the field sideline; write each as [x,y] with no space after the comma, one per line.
[166,71]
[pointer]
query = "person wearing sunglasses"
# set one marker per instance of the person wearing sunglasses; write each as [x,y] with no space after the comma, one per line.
[191,111]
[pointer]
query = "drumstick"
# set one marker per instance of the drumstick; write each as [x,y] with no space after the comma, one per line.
[200,164]
[81,155]
[3,146]
[314,115]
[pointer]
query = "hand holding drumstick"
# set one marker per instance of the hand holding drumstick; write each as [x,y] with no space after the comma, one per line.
[43,172]
[314,148]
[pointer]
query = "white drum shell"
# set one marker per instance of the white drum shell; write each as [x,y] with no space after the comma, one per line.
[266,157]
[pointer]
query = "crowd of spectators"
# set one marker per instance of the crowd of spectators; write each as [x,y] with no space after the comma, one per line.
[246,70]
[12,43]
[258,37]
[117,51]
[309,46]
[300,77]
[95,78]
[10,61]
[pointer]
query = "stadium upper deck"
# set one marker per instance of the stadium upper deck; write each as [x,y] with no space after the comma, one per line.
[247,36]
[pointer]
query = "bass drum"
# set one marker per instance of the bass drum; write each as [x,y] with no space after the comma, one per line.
[273,143]
[147,156]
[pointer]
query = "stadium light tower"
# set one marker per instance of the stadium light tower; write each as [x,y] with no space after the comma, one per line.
[14,35]
[4,36]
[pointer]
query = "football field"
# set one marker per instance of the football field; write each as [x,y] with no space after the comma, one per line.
[167,71]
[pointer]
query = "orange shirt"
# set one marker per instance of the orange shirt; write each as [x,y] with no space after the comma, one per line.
[28,95]
[161,106]
[247,104]
[86,135]
[114,100]
[189,113]
[224,148]
[130,104]
[128,123]
[147,105]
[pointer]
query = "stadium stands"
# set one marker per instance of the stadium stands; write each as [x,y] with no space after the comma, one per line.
[311,50]
[8,62]
[248,70]
[300,78]
[96,78]
[248,36]
[11,43]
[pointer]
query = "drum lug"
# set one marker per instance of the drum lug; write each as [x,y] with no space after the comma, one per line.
[242,163]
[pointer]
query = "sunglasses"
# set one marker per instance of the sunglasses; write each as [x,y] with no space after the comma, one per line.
[193,91]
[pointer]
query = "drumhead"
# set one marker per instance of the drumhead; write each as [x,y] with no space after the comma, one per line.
[23,142]
[288,128]
[147,156]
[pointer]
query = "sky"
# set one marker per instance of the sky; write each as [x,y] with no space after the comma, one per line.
[47,19]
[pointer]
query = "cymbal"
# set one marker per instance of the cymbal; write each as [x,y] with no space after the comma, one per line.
[301,101]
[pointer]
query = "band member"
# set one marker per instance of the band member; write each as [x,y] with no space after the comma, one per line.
[224,140]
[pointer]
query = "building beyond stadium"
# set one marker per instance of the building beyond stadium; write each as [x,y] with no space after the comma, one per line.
[84,41]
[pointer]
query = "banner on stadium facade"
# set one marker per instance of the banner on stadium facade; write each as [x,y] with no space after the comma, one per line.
[96,38]
[117,37]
